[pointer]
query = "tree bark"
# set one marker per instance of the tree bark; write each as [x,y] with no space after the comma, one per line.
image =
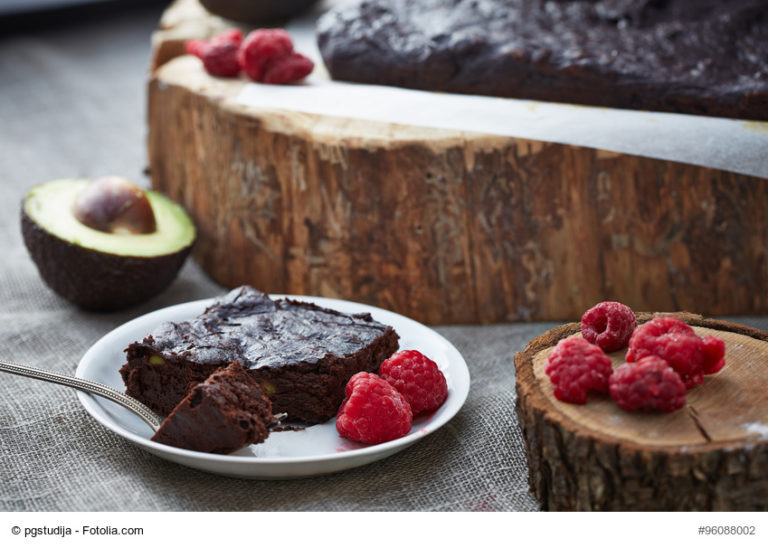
[710,455]
[443,226]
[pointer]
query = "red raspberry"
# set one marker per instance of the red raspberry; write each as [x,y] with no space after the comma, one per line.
[220,59]
[417,378]
[675,341]
[576,366]
[219,54]
[260,48]
[648,385]
[714,354]
[234,36]
[609,325]
[373,411]
[195,47]
[288,69]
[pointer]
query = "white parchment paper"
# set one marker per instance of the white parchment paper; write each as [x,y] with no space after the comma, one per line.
[735,145]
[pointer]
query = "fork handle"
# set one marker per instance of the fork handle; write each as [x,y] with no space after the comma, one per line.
[145,413]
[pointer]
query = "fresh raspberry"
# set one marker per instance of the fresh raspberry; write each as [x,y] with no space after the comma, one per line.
[714,354]
[219,54]
[676,342]
[576,366]
[288,69]
[417,378]
[220,59]
[609,325]
[260,48]
[648,385]
[234,36]
[195,47]
[373,411]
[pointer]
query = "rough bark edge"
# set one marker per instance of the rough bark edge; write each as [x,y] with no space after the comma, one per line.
[538,298]
[592,472]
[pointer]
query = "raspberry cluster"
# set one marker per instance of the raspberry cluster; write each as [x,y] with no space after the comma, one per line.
[381,408]
[417,378]
[576,366]
[665,358]
[609,325]
[265,55]
[673,340]
[373,411]
[650,384]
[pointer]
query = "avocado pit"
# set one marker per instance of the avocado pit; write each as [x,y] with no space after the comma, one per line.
[115,205]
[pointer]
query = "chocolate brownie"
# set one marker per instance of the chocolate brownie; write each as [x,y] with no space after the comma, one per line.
[302,354]
[225,412]
[691,56]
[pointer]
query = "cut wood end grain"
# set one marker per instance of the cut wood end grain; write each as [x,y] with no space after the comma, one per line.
[710,455]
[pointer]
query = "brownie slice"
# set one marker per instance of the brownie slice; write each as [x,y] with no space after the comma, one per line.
[302,354]
[225,412]
[691,56]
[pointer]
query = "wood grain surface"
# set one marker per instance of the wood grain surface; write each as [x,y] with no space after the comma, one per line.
[444,226]
[710,455]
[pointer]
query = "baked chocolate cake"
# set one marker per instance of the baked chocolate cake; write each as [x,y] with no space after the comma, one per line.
[691,56]
[225,412]
[301,354]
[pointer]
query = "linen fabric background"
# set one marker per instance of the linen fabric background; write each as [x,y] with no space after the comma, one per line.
[72,104]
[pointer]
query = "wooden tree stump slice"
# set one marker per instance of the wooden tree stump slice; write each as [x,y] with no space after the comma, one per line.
[443,226]
[710,455]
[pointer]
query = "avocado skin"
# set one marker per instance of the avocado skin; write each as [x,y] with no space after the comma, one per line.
[94,280]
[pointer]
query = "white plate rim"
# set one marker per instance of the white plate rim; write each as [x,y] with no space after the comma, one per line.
[457,396]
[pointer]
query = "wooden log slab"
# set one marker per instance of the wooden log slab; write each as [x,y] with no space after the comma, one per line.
[443,226]
[710,455]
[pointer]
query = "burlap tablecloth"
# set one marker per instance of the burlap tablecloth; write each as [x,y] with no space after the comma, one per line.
[72,104]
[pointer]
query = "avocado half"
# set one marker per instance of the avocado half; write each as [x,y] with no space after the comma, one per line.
[99,270]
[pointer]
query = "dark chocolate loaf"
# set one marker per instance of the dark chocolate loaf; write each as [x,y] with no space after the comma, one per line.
[225,412]
[705,57]
[302,354]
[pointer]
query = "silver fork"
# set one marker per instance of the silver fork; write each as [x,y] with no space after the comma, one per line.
[132,404]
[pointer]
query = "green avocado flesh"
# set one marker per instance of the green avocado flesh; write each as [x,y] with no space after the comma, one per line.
[50,205]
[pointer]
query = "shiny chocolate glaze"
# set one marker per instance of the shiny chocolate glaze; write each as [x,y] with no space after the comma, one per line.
[248,326]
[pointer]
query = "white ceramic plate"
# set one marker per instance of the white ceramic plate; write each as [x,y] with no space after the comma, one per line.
[315,450]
